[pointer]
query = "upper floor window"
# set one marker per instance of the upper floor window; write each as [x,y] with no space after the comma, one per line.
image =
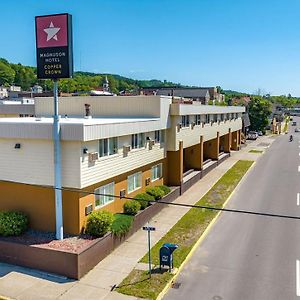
[222,117]
[138,140]
[157,136]
[108,146]
[207,118]
[185,121]
[104,194]
[215,117]
[198,119]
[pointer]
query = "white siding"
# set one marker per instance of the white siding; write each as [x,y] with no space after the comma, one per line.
[33,162]
[110,166]
[191,136]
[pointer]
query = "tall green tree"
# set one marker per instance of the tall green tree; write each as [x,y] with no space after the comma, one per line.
[7,74]
[259,111]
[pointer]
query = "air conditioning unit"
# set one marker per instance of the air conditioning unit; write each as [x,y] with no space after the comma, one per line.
[151,144]
[93,156]
[147,181]
[122,193]
[126,148]
[88,209]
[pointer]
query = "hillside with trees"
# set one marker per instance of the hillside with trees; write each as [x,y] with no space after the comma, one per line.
[25,76]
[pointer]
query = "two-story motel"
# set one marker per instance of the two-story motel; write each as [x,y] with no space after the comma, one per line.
[127,144]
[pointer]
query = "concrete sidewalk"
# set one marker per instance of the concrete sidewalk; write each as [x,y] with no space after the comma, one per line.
[22,283]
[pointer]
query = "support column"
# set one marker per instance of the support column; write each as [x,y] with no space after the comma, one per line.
[240,137]
[227,142]
[175,166]
[235,141]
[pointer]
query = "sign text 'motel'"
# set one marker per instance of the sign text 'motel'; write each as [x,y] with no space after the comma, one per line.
[54,46]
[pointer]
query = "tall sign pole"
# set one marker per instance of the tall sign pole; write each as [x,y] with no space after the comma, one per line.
[54,61]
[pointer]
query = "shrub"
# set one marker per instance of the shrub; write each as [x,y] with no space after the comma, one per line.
[146,197]
[165,189]
[99,223]
[156,192]
[132,207]
[12,223]
[121,224]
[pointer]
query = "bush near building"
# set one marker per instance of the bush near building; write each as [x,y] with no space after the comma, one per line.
[156,192]
[144,199]
[165,189]
[121,224]
[131,207]
[13,223]
[99,223]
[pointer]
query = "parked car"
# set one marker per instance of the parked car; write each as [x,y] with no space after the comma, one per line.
[260,133]
[297,130]
[252,135]
[294,123]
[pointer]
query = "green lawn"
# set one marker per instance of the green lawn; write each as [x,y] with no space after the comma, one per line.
[185,233]
[256,151]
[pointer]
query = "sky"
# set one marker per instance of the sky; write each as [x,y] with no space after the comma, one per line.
[236,44]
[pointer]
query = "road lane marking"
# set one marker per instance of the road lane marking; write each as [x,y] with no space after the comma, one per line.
[297,278]
[298,199]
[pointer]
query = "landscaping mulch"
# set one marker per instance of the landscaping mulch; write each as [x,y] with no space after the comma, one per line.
[47,240]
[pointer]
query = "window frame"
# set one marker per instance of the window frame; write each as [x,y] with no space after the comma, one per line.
[138,140]
[102,190]
[114,141]
[134,176]
[156,170]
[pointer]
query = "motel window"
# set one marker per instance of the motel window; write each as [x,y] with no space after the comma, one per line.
[138,140]
[157,136]
[156,172]
[108,146]
[222,117]
[206,118]
[134,182]
[185,121]
[215,117]
[228,117]
[104,194]
[198,120]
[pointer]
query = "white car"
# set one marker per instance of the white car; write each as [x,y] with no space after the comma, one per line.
[252,135]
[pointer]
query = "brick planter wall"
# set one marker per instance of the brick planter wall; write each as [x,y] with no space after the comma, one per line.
[76,265]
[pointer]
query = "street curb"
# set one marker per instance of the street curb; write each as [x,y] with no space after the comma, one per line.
[201,238]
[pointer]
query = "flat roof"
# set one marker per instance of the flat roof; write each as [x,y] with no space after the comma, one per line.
[76,121]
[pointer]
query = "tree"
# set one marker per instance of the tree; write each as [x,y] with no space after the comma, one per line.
[259,111]
[7,74]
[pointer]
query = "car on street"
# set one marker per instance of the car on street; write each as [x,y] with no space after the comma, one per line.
[252,135]
[294,123]
[297,130]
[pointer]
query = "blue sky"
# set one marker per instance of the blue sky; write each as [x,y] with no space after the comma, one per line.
[237,44]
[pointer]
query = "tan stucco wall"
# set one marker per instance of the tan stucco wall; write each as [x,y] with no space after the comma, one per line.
[211,148]
[193,156]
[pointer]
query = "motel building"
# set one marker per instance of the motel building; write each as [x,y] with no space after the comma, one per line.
[125,145]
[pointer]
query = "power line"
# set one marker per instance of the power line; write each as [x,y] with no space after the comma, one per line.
[192,205]
[248,212]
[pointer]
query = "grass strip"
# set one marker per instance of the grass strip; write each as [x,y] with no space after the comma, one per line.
[256,151]
[185,233]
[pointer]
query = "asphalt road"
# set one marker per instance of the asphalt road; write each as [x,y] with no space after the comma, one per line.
[252,257]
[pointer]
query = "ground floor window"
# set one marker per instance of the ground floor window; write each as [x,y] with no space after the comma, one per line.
[103,194]
[134,182]
[156,172]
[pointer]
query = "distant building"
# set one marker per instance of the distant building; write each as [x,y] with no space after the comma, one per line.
[201,94]
[37,89]
[3,92]
[105,91]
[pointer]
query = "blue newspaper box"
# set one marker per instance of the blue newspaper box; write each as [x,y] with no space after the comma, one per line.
[166,255]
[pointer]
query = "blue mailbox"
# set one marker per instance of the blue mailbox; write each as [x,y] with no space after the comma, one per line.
[166,255]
